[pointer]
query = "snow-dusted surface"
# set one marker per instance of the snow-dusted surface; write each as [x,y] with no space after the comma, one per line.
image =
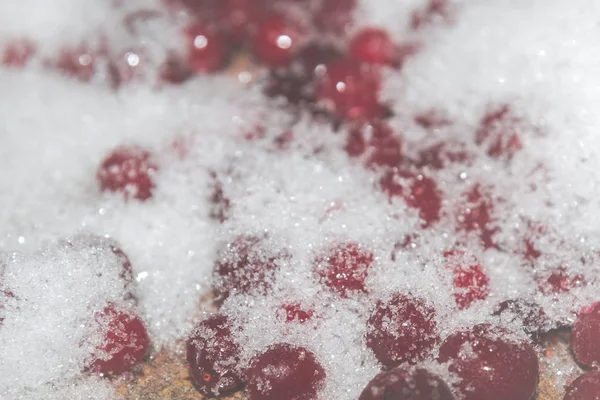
[540,57]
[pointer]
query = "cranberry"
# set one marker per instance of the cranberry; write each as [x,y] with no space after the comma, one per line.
[220,203]
[244,267]
[469,280]
[434,10]
[584,336]
[498,132]
[401,329]
[284,371]
[350,90]
[525,314]
[490,366]
[334,16]
[240,17]
[128,170]
[477,216]
[277,40]
[439,155]
[175,70]
[125,341]
[206,50]
[559,281]
[586,387]
[294,312]
[384,148]
[406,384]
[375,46]
[78,64]
[424,194]
[345,268]
[213,356]
[17,53]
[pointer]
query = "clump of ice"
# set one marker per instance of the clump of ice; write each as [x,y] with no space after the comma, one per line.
[305,196]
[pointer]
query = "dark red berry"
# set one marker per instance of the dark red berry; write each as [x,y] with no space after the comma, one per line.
[334,16]
[375,46]
[403,383]
[282,372]
[294,312]
[129,171]
[213,357]
[344,268]
[584,336]
[382,146]
[499,133]
[439,155]
[401,329]
[277,40]
[206,50]
[476,215]
[244,267]
[586,387]
[125,341]
[17,53]
[559,281]
[488,365]
[79,64]
[524,314]
[220,203]
[423,193]
[240,18]
[469,280]
[175,70]
[350,90]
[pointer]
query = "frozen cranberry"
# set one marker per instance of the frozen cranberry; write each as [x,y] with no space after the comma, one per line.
[239,18]
[220,203]
[284,371]
[525,314]
[375,46]
[401,329]
[586,387]
[344,268]
[334,16]
[383,146]
[125,341]
[435,10]
[277,40]
[129,171]
[206,50]
[423,195]
[175,70]
[476,215]
[498,133]
[17,53]
[213,357]
[78,64]
[350,90]
[406,384]
[584,336]
[489,365]
[245,267]
[439,155]
[469,280]
[294,312]
[559,281]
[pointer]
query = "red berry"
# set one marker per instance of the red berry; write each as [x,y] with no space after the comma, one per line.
[277,40]
[383,147]
[498,133]
[489,365]
[125,341]
[17,53]
[175,70]
[213,357]
[239,18]
[282,372]
[128,170]
[476,215]
[375,46]
[406,384]
[584,336]
[244,267]
[441,154]
[220,203]
[401,329]
[334,16]
[586,387]
[344,268]
[525,314]
[294,312]
[469,280]
[423,195]
[559,281]
[350,90]
[78,64]
[206,50]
